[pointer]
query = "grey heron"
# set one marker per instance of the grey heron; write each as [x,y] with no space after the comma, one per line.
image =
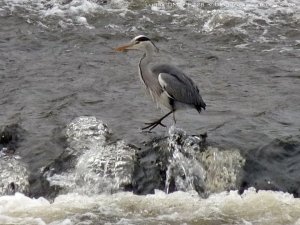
[167,85]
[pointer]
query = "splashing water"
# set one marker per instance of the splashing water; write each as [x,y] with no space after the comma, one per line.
[100,166]
[13,176]
[204,170]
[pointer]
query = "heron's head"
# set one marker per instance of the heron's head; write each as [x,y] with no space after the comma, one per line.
[140,42]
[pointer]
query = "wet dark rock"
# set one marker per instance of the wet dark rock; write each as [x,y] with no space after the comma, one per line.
[14,174]
[94,163]
[274,167]
[172,163]
[150,167]
[181,162]
[40,186]
[9,137]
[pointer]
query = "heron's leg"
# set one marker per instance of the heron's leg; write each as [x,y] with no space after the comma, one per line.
[174,117]
[157,122]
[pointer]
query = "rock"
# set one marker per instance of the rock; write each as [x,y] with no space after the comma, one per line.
[9,137]
[183,162]
[275,166]
[14,176]
[94,164]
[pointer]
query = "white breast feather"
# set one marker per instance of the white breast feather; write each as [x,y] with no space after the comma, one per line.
[163,84]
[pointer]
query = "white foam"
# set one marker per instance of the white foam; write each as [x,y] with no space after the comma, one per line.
[9,200]
[216,13]
[263,207]
[73,10]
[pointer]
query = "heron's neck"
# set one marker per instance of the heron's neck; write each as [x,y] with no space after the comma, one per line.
[147,57]
[144,67]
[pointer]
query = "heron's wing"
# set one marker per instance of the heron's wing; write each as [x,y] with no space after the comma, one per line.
[181,88]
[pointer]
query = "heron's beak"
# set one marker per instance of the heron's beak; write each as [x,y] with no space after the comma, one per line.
[124,48]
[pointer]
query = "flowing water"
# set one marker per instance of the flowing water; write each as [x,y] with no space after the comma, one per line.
[60,77]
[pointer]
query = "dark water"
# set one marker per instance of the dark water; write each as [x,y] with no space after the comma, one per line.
[57,62]
[49,75]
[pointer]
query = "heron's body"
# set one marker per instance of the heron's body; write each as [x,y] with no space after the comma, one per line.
[167,85]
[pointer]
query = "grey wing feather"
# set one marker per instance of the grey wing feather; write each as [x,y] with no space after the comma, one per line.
[178,86]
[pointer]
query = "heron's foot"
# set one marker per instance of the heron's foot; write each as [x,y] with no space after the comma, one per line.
[153,125]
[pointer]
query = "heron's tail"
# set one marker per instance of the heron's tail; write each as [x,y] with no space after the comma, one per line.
[200,106]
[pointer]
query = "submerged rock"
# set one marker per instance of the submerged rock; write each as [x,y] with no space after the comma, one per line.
[275,166]
[93,162]
[9,138]
[96,163]
[184,162]
[14,175]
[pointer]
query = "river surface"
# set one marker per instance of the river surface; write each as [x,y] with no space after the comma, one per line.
[57,63]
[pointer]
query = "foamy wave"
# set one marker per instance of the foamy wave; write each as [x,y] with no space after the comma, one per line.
[69,12]
[250,12]
[263,207]
[215,14]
